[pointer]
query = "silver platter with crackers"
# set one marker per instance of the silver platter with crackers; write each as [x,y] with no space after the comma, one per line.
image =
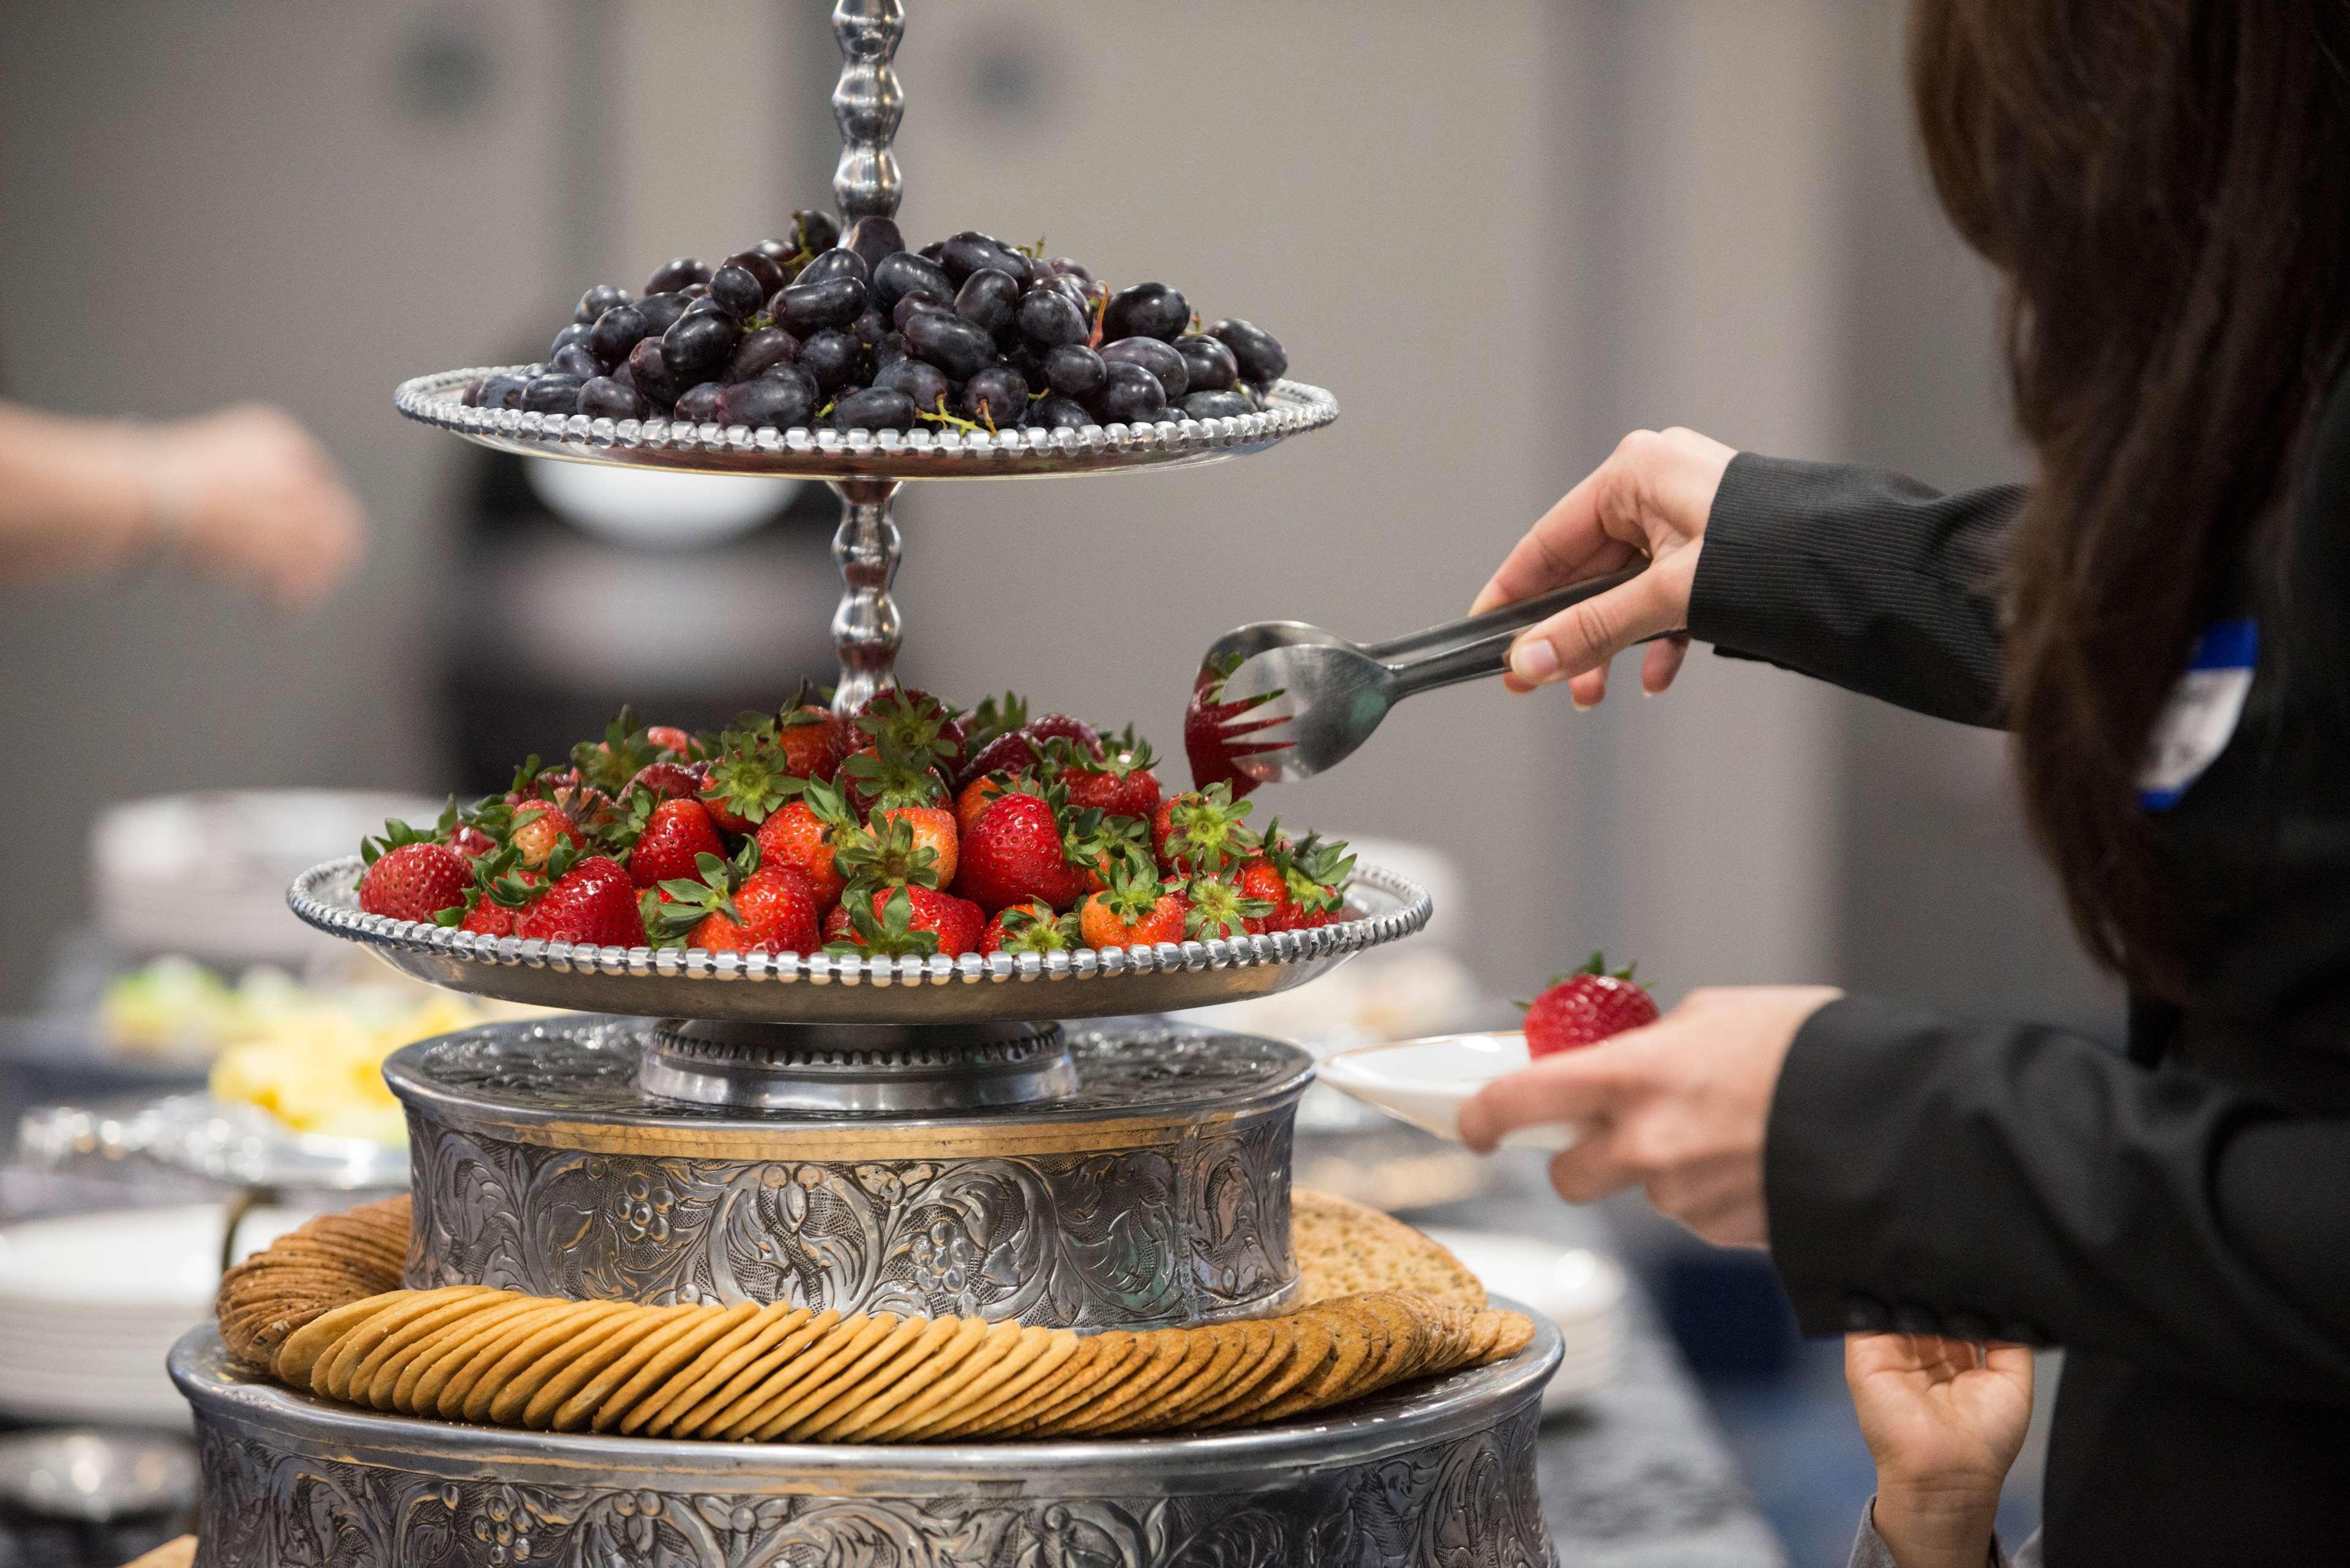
[877,1255]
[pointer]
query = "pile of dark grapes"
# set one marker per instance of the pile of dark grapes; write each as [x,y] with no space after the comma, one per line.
[854,331]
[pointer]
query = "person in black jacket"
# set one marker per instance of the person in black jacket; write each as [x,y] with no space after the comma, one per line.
[2162,620]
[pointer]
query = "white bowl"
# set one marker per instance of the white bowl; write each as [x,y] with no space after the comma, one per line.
[1426,1082]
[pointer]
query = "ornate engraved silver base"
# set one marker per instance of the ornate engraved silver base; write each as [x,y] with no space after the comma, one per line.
[856,1067]
[1154,1193]
[1439,1473]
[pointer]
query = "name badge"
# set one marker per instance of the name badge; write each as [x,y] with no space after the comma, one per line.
[2198,721]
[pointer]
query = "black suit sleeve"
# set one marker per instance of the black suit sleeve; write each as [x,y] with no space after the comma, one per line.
[1862,578]
[2024,1183]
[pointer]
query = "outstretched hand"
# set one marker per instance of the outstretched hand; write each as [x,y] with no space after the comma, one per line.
[1944,1419]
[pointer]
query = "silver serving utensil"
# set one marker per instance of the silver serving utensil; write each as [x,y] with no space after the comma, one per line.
[1307,698]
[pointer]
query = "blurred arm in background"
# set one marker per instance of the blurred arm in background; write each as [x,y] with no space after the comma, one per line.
[244,491]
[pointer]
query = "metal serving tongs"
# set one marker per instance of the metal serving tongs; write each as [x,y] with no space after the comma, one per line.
[1294,699]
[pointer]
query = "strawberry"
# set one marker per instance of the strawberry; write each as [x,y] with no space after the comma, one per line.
[609,764]
[993,719]
[1261,880]
[670,738]
[670,781]
[1119,782]
[537,827]
[1030,928]
[886,773]
[488,918]
[1314,871]
[470,841]
[919,724]
[1018,851]
[1216,732]
[893,851]
[813,740]
[593,901]
[1219,908]
[802,833]
[1135,910]
[1011,754]
[935,830]
[1585,1007]
[1061,727]
[678,832]
[896,921]
[974,797]
[748,778]
[772,911]
[1201,831]
[411,875]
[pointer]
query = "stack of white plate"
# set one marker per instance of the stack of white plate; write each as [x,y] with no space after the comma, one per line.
[89,1304]
[1579,1290]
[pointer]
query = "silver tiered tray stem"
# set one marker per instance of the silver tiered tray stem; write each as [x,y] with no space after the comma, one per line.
[865,630]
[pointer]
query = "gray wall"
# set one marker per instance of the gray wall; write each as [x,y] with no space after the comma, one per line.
[1504,232]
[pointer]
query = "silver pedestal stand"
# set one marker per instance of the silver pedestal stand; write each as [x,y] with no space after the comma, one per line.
[869,1133]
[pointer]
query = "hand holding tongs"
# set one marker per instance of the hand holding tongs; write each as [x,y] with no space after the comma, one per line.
[1331,693]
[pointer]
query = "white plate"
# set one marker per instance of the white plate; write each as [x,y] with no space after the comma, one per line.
[1580,1290]
[125,1263]
[1426,1082]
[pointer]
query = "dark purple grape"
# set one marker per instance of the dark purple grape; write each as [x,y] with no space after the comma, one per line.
[806,308]
[502,390]
[933,251]
[833,357]
[702,304]
[1074,371]
[693,291]
[924,384]
[759,264]
[1023,358]
[815,230]
[1146,310]
[875,409]
[470,397]
[701,405]
[1049,318]
[783,400]
[1208,363]
[841,263]
[649,368]
[606,399]
[1129,395]
[1060,414]
[552,393]
[679,272]
[762,351]
[696,349]
[889,350]
[1062,267]
[572,334]
[577,361]
[660,311]
[1217,405]
[900,273]
[995,397]
[959,347]
[872,238]
[870,327]
[625,376]
[780,255]
[920,299]
[971,250]
[597,301]
[988,299]
[1257,352]
[616,332]
[737,289]
[1154,357]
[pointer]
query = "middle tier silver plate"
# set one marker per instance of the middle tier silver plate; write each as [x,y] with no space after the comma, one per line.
[1154,1193]
[818,988]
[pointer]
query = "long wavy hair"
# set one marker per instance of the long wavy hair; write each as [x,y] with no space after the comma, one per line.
[2165,185]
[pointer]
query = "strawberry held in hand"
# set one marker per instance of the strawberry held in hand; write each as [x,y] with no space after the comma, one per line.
[1587,1007]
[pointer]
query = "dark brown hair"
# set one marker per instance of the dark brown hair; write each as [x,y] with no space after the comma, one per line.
[2166,186]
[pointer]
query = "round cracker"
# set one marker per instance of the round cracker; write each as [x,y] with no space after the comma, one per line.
[733,1397]
[1313,1346]
[903,1349]
[1224,1348]
[448,1340]
[620,1408]
[1251,1344]
[1184,1353]
[1038,1354]
[975,1345]
[790,1395]
[1517,1333]
[663,1402]
[1281,1345]
[1007,1345]
[442,1387]
[1099,1359]
[584,1338]
[665,1325]
[526,1341]
[715,1368]
[298,1357]
[1356,1338]
[395,1350]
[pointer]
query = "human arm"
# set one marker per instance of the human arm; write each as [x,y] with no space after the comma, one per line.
[1859,577]
[1944,1420]
[244,491]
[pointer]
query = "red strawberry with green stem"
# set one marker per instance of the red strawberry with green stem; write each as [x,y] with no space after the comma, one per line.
[1217,734]
[1136,910]
[895,922]
[410,875]
[748,778]
[593,901]
[1201,831]
[1117,782]
[1031,928]
[805,833]
[918,725]
[1587,1007]
[677,833]
[1219,908]
[1020,849]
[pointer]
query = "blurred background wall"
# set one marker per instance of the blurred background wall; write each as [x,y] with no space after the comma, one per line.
[1504,232]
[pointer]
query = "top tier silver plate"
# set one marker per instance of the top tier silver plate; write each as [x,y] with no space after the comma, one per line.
[792,988]
[1292,409]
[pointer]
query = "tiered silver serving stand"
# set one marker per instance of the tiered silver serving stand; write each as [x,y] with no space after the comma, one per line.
[1021,1138]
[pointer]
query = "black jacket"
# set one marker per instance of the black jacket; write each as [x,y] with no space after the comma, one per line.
[2178,1219]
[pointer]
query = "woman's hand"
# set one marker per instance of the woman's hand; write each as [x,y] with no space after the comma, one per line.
[1679,1107]
[1944,1419]
[1651,498]
[250,492]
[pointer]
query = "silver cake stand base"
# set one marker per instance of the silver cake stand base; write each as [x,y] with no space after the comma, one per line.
[1438,1474]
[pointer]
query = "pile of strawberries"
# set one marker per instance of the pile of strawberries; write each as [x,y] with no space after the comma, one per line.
[911,828]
